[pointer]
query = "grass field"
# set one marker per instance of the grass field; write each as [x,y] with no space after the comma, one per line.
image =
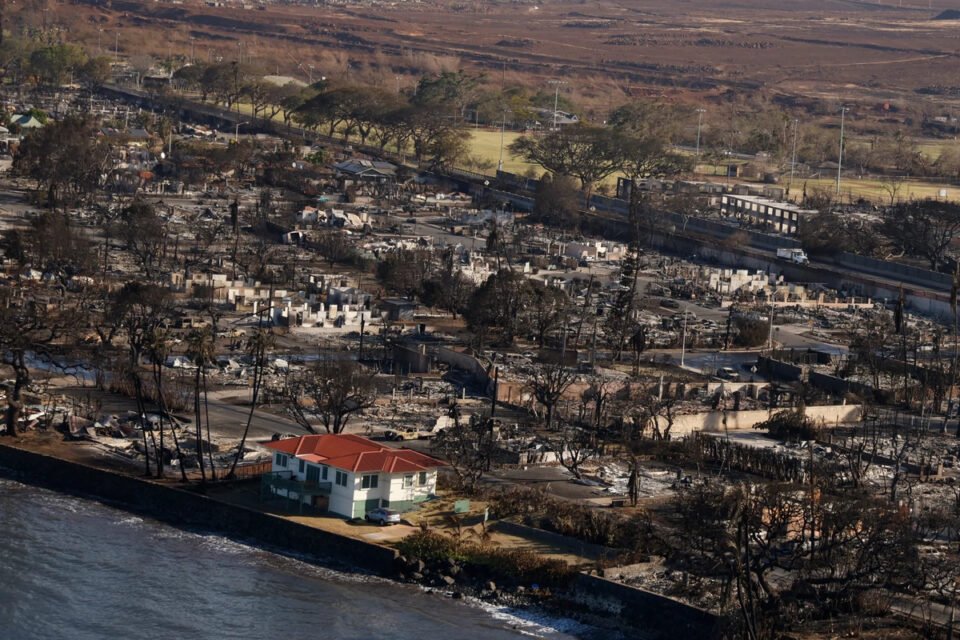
[485,146]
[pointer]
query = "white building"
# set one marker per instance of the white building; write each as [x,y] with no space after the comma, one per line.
[349,475]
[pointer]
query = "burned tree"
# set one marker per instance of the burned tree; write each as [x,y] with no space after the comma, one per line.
[331,391]
[30,329]
[548,383]
[573,447]
[468,446]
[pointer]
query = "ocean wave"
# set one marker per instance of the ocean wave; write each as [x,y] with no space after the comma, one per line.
[532,622]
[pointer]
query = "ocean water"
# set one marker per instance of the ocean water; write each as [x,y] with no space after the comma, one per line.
[76,569]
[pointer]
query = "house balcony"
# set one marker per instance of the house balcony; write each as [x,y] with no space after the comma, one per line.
[284,484]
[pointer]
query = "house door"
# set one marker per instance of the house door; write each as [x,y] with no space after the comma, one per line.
[313,474]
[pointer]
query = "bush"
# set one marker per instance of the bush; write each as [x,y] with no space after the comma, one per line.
[584,523]
[519,565]
[751,332]
[429,546]
[789,425]
[522,565]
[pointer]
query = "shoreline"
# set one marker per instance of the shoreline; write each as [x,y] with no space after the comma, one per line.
[592,601]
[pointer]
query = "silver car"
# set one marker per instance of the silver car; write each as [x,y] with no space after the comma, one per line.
[383,516]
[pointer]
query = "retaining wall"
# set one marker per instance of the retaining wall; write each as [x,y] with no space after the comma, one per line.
[779,369]
[552,538]
[713,421]
[186,508]
[643,609]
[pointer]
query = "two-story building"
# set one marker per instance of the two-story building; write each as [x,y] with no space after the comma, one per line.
[781,217]
[350,475]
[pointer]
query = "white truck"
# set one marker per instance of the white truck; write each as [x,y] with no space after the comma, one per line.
[796,256]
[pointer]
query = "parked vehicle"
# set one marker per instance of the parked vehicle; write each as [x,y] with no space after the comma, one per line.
[796,256]
[399,435]
[669,303]
[383,516]
[728,373]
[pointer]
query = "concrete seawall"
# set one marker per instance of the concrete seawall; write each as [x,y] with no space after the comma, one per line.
[662,616]
[185,508]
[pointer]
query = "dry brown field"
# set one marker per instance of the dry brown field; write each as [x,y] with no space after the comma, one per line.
[605,49]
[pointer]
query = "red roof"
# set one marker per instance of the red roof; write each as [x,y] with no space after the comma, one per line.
[354,453]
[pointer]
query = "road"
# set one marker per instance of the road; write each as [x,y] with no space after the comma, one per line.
[227,416]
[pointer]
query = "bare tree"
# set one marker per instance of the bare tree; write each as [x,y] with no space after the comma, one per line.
[548,383]
[572,446]
[468,446]
[260,344]
[30,328]
[330,391]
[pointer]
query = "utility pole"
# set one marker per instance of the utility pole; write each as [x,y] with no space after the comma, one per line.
[556,99]
[793,156]
[503,125]
[700,113]
[843,113]
[683,339]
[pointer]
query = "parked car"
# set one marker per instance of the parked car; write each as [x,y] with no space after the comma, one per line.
[383,516]
[669,303]
[728,373]
[399,435]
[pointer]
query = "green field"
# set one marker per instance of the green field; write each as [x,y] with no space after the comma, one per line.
[485,151]
[485,146]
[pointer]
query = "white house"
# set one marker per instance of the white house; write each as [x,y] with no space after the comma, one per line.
[350,475]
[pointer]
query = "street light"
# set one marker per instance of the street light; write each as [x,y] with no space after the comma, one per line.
[236,132]
[556,99]
[700,113]
[843,113]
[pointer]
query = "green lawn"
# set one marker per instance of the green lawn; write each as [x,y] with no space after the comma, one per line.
[485,146]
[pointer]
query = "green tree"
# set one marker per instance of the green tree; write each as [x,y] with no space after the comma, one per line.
[557,201]
[65,159]
[54,65]
[586,152]
[926,229]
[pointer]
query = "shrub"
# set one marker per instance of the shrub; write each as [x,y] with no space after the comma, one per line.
[522,565]
[428,546]
[751,332]
[789,425]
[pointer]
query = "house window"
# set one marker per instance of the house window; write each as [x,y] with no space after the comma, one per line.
[369,481]
[423,478]
[323,472]
[341,479]
[302,463]
[313,474]
[408,481]
[281,460]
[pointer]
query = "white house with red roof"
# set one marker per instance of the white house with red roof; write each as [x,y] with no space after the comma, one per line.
[350,475]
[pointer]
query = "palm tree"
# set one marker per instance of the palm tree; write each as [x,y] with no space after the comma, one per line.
[200,350]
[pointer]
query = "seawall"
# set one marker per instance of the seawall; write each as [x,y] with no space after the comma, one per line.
[657,616]
[185,508]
